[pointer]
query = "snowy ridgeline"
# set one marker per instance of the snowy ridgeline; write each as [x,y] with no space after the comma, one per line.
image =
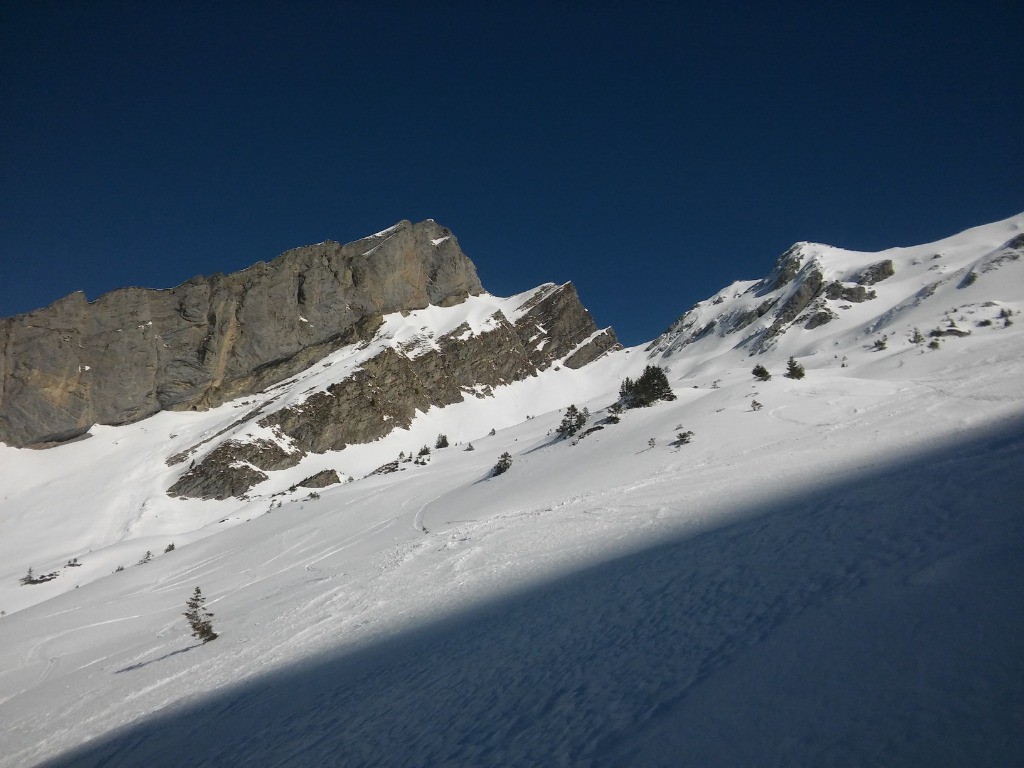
[827,578]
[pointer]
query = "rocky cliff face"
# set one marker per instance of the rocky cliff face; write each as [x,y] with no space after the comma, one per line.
[135,351]
[387,388]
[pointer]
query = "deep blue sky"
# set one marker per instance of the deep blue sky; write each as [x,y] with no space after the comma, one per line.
[649,152]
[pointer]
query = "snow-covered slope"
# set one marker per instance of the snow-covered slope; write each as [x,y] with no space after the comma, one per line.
[820,296]
[828,579]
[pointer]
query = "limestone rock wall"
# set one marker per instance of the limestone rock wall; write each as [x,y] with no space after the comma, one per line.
[136,351]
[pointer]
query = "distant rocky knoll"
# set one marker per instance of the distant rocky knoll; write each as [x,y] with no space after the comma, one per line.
[136,351]
[812,284]
[796,293]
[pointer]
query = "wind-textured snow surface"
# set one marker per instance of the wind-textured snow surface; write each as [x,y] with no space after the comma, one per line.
[833,579]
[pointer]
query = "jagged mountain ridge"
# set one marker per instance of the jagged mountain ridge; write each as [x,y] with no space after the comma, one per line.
[409,363]
[135,351]
[387,371]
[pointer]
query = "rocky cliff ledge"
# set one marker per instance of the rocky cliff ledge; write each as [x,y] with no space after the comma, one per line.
[387,389]
[136,351]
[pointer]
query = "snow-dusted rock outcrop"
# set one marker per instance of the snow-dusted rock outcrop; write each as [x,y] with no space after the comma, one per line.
[407,365]
[813,285]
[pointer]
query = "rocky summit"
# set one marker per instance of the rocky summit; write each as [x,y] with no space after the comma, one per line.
[136,351]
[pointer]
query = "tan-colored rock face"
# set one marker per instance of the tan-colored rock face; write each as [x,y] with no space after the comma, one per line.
[136,351]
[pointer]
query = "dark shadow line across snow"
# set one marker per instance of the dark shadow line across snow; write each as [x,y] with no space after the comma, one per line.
[874,621]
[141,664]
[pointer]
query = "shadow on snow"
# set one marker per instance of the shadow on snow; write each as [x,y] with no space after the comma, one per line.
[141,664]
[874,621]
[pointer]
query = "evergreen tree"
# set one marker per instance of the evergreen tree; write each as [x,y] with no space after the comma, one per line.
[649,388]
[442,441]
[760,372]
[572,421]
[793,369]
[626,391]
[504,462]
[917,337]
[199,618]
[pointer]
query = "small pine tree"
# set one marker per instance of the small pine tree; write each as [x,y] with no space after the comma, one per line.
[470,447]
[28,578]
[573,421]
[881,343]
[199,618]
[793,369]
[934,344]
[651,443]
[146,558]
[568,426]
[917,337]
[424,451]
[441,442]
[169,547]
[626,390]
[760,372]
[755,406]
[504,462]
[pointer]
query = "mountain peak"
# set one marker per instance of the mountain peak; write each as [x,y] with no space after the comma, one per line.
[134,351]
